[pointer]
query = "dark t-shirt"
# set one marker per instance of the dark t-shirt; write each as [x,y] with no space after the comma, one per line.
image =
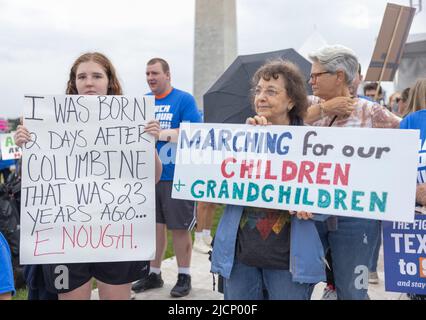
[263,238]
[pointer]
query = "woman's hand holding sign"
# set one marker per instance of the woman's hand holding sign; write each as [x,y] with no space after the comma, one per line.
[153,128]
[258,120]
[302,215]
[22,136]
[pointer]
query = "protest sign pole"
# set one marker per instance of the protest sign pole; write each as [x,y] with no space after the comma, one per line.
[390,44]
[388,53]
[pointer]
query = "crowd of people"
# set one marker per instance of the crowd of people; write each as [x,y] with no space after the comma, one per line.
[253,267]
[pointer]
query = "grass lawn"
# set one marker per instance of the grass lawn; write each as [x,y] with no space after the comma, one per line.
[22,294]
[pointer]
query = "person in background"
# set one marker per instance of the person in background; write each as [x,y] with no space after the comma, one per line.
[202,236]
[7,288]
[415,118]
[402,104]
[416,99]
[5,165]
[370,90]
[4,125]
[173,107]
[205,213]
[393,101]
[353,88]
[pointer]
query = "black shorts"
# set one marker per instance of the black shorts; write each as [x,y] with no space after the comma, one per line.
[177,214]
[114,273]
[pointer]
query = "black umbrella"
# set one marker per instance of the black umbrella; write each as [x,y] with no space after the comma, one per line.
[228,100]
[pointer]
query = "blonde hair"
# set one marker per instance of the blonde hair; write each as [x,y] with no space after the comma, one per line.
[392,97]
[417,97]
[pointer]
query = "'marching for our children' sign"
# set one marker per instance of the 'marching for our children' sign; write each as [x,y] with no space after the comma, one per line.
[365,173]
[404,247]
[88,180]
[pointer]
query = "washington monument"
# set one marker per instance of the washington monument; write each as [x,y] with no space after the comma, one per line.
[215,44]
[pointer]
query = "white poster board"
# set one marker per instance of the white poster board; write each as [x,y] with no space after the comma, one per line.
[353,172]
[88,180]
[9,150]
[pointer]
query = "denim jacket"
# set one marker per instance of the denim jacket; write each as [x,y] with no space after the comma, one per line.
[306,252]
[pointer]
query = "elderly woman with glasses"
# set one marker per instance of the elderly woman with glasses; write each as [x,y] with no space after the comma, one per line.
[263,253]
[334,69]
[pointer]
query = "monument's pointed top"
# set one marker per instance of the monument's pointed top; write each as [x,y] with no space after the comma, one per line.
[312,43]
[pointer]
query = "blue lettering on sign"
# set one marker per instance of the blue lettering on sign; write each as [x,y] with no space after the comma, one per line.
[239,141]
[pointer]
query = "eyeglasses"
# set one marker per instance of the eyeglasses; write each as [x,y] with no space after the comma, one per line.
[314,76]
[269,92]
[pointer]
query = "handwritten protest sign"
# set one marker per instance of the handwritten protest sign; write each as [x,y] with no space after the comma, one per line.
[87,180]
[390,42]
[9,150]
[365,173]
[404,247]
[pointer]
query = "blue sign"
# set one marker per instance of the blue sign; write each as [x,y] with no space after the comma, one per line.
[404,247]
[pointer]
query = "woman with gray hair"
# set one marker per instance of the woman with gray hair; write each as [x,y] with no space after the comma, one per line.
[333,70]
[342,105]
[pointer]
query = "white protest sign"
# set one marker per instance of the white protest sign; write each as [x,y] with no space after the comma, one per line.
[353,172]
[9,150]
[88,180]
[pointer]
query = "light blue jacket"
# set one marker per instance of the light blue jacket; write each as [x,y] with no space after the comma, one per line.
[307,262]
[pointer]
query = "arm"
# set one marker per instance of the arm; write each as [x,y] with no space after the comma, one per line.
[339,106]
[170,135]
[383,118]
[421,194]
[6,271]
[158,167]
[187,113]
[153,128]
[315,113]
[5,296]
[22,136]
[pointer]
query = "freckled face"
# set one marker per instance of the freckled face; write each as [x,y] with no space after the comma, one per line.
[91,79]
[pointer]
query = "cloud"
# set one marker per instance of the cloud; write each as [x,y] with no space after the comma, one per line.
[356,16]
[100,15]
[40,39]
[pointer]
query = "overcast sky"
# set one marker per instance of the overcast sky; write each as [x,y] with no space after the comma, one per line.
[40,39]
